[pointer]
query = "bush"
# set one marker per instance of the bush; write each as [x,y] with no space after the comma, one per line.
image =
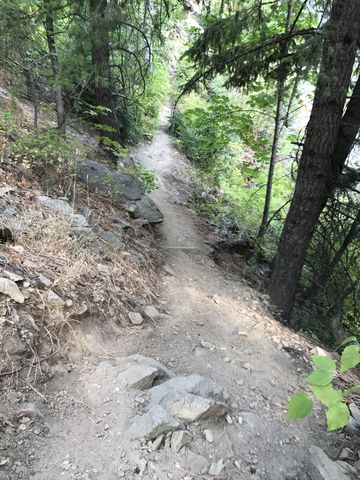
[45,148]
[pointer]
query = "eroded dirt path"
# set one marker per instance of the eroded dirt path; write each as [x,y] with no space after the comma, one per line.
[212,325]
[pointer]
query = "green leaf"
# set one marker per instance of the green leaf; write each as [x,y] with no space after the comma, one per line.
[320,378]
[327,395]
[324,363]
[347,340]
[350,357]
[337,416]
[299,406]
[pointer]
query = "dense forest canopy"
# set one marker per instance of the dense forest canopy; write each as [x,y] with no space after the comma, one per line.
[245,79]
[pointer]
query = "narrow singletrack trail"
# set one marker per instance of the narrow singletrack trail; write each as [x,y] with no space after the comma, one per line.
[215,326]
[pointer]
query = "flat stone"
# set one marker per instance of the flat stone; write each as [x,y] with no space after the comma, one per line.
[355,412]
[179,439]
[9,288]
[168,270]
[113,241]
[319,351]
[209,435]
[189,407]
[53,300]
[321,467]
[195,384]
[153,423]
[137,376]
[151,312]
[45,281]
[56,205]
[216,468]
[98,176]
[136,318]
[346,467]
[137,358]
[157,442]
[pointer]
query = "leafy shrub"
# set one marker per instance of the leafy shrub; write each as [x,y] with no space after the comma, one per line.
[321,384]
[148,177]
[45,148]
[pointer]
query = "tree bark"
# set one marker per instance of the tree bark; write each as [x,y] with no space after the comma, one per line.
[50,36]
[100,56]
[317,169]
[277,128]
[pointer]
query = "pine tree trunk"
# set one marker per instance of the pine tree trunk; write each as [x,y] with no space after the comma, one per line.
[100,55]
[50,36]
[317,170]
[277,130]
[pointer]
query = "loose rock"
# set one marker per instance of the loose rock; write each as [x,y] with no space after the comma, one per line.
[179,439]
[157,443]
[137,376]
[53,300]
[216,468]
[209,435]
[8,287]
[153,423]
[321,467]
[189,407]
[136,318]
[151,313]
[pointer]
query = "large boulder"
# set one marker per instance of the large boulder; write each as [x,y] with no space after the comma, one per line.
[125,187]
[98,176]
[321,467]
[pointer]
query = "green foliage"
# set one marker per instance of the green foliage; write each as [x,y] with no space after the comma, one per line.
[157,90]
[229,147]
[148,177]
[321,382]
[47,147]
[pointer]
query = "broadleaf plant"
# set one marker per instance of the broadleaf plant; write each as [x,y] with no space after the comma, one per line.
[321,385]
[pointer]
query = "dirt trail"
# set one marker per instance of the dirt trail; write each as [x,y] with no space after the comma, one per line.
[213,326]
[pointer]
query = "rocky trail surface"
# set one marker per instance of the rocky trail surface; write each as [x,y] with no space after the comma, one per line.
[198,390]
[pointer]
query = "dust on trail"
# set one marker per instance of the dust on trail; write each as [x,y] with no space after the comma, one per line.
[214,326]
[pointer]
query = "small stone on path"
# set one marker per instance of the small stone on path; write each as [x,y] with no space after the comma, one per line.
[321,467]
[136,318]
[138,376]
[209,435]
[216,468]
[153,423]
[179,439]
[151,312]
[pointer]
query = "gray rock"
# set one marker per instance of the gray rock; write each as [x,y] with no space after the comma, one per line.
[137,376]
[98,176]
[355,412]
[146,210]
[345,454]
[157,442]
[56,205]
[321,467]
[113,241]
[195,384]
[179,439]
[135,318]
[168,270]
[192,461]
[346,467]
[152,424]
[10,289]
[45,281]
[137,358]
[189,407]
[53,300]
[357,466]
[209,435]
[216,468]
[151,312]
[59,205]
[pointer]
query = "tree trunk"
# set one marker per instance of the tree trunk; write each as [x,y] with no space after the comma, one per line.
[317,169]
[100,55]
[50,36]
[277,129]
